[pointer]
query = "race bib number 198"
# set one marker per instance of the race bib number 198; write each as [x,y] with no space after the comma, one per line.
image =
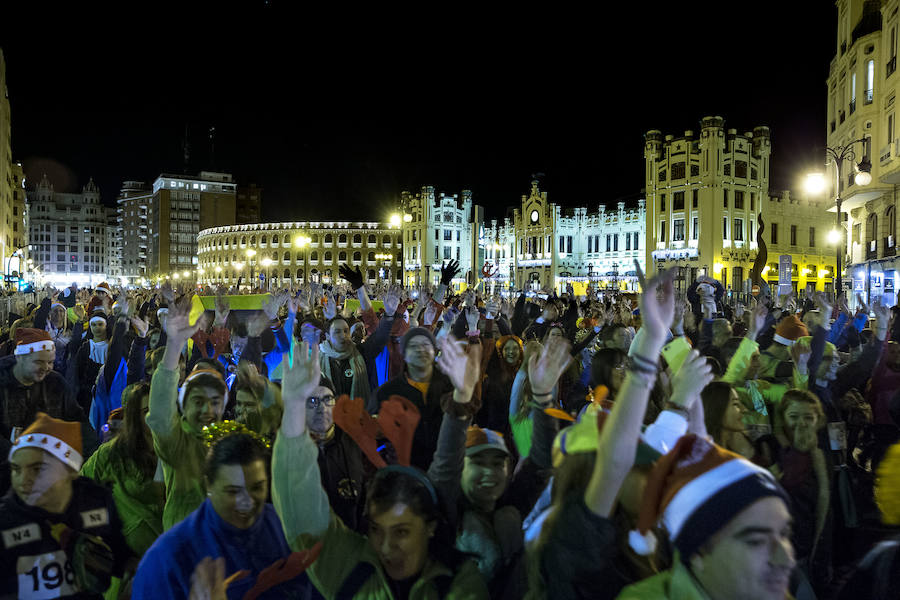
[45,576]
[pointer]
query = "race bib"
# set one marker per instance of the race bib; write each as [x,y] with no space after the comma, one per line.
[45,576]
[21,535]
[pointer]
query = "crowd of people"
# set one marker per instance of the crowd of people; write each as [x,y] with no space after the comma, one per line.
[383,442]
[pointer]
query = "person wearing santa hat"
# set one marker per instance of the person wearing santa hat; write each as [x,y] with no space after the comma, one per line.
[61,534]
[28,385]
[728,521]
[101,298]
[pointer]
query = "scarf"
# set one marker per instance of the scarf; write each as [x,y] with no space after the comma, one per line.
[98,351]
[359,388]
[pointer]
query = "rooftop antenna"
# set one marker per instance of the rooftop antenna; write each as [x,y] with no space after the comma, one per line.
[186,147]
[212,147]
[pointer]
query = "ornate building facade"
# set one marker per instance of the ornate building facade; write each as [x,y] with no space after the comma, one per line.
[544,246]
[704,194]
[67,234]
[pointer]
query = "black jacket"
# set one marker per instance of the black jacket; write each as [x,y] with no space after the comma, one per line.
[342,471]
[426,436]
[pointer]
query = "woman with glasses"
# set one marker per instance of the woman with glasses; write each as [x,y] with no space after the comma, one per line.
[340,459]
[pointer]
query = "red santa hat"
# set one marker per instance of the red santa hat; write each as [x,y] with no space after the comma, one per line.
[695,490]
[30,340]
[60,438]
[790,330]
[103,287]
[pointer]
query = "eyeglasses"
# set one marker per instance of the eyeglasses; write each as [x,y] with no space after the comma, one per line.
[314,402]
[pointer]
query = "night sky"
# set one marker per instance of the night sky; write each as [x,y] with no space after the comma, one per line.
[335,118]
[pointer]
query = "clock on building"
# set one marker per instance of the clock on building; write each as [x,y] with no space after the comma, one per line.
[534,216]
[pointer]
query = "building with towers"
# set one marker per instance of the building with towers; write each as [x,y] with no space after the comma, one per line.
[704,194]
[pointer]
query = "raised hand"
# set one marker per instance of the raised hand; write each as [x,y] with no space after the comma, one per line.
[208,581]
[122,306]
[178,326]
[330,307]
[462,367]
[492,308]
[882,318]
[545,370]
[472,316]
[758,317]
[300,378]
[223,308]
[141,326]
[167,293]
[430,312]
[694,375]
[449,271]
[271,305]
[656,314]
[391,302]
[354,278]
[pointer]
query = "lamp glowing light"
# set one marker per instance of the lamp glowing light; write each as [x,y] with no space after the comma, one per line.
[717,268]
[834,236]
[266,261]
[395,220]
[407,218]
[251,252]
[863,178]
[815,183]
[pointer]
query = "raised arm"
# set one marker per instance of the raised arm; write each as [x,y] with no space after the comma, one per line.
[617,447]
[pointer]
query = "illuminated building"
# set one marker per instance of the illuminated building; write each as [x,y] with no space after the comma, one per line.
[862,87]
[7,168]
[545,246]
[179,208]
[289,254]
[438,228]
[703,198]
[67,234]
[132,205]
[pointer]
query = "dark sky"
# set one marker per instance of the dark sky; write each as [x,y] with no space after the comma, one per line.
[334,118]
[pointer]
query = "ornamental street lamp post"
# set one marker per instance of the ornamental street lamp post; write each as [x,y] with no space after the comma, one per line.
[815,184]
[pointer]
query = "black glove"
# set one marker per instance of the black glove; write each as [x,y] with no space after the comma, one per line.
[354,278]
[449,271]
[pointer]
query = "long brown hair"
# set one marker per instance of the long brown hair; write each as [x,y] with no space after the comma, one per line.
[132,445]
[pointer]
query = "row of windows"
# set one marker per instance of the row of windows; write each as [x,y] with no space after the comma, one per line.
[313,257]
[328,238]
[612,242]
[678,200]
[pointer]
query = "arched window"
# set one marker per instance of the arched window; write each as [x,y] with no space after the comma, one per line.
[371,257]
[314,256]
[357,239]
[386,240]
[328,257]
[371,241]
[314,238]
[342,256]
[357,256]
[275,240]
[327,238]
[299,274]
[252,240]
[872,228]
[371,273]
[342,239]
[243,240]
[287,274]
[287,257]
[263,240]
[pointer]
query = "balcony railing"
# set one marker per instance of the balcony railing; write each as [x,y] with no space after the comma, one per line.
[872,250]
[890,248]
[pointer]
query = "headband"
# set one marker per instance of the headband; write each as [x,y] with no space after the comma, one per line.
[415,474]
[97,318]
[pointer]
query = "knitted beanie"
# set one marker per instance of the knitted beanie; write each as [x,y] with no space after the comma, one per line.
[413,332]
[30,340]
[790,328]
[60,438]
[695,490]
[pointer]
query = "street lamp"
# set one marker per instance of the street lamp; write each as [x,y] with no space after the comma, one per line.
[816,184]
[250,254]
[303,242]
[395,220]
